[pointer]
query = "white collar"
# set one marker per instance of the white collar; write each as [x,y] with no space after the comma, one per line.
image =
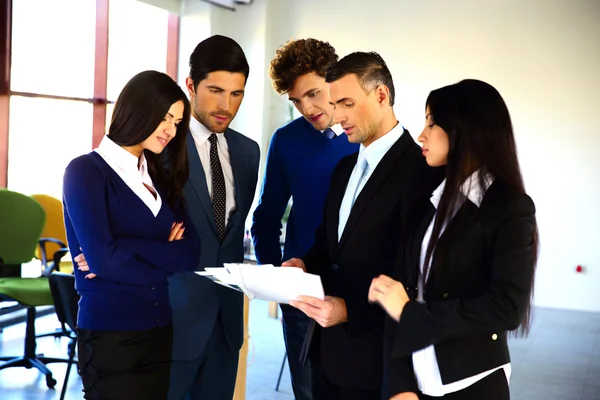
[376,150]
[337,129]
[200,133]
[470,189]
[121,157]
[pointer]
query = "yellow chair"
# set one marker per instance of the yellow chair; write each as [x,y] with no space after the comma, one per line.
[53,243]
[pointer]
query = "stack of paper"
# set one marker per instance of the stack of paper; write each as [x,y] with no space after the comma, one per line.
[266,282]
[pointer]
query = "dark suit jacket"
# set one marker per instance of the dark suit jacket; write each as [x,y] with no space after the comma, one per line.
[478,288]
[351,353]
[196,301]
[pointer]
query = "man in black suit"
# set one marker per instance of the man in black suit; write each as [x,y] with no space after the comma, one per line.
[368,199]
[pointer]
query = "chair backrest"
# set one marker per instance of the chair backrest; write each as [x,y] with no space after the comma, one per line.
[66,299]
[21,223]
[55,224]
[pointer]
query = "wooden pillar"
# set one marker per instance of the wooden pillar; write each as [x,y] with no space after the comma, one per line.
[5,62]
[240,383]
[100,72]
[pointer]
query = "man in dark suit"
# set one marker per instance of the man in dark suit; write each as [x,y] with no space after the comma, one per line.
[368,199]
[207,318]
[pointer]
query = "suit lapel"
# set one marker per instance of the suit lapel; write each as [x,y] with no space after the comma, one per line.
[456,228]
[236,157]
[421,219]
[337,193]
[198,180]
[377,178]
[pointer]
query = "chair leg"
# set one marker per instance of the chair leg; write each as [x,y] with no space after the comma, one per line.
[14,362]
[72,346]
[58,333]
[30,360]
[281,372]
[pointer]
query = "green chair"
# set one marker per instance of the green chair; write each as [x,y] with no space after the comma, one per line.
[22,220]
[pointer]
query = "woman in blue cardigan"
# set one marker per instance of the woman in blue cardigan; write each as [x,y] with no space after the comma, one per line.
[124,211]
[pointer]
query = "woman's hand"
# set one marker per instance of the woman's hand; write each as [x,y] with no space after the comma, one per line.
[390,294]
[83,266]
[177,230]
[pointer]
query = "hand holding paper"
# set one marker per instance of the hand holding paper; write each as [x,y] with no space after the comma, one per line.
[328,312]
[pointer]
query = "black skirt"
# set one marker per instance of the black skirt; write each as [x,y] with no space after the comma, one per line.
[130,365]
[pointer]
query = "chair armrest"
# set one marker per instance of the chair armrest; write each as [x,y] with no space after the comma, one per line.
[42,243]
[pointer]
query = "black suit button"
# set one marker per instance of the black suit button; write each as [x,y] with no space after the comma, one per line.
[335,267]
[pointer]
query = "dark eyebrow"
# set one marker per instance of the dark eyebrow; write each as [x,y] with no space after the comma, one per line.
[215,87]
[172,116]
[342,100]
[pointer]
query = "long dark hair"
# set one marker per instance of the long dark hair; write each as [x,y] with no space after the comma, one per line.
[140,108]
[480,133]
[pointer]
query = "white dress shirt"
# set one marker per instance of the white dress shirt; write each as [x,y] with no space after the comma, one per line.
[424,361]
[337,129]
[201,135]
[372,154]
[132,170]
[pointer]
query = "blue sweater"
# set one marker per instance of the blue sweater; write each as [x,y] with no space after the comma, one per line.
[300,163]
[125,245]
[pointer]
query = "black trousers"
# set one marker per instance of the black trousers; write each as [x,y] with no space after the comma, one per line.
[127,365]
[323,389]
[492,387]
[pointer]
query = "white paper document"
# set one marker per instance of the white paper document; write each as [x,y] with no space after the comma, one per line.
[266,282]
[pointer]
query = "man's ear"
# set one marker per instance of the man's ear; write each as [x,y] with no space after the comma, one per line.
[189,84]
[383,95]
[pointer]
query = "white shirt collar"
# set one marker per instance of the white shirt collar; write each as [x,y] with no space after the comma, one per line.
[376,150]
[200,133]
[337,129]
[470,189]
[121,157]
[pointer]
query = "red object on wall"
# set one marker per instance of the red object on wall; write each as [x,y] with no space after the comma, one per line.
[579,268]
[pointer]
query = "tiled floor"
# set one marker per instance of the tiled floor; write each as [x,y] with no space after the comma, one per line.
[559,361]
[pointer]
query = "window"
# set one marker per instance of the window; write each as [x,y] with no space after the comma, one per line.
[137,42]
[61,83]
[45,135]
[52,52]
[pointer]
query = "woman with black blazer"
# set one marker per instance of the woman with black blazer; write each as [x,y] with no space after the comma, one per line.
[466,272]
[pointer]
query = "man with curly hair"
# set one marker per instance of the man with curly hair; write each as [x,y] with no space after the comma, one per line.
[301,158]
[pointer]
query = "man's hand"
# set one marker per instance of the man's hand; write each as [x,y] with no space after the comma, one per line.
[405,396]
[390,294]
[294,262]
[327,313]
[83,266]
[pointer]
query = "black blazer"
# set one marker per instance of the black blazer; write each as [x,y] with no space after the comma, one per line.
[351,353]
[196,301]
[478,288]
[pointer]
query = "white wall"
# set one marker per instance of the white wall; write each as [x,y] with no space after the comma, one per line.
[169,5]
[542,55]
